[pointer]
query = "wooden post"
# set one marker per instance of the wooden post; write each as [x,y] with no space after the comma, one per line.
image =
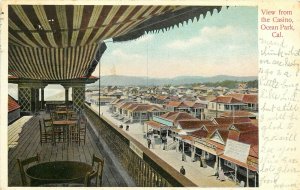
[247,177]
[167,132]
[255,179]
[235,172]
[67,96]
[217,162]
[193,153]
[42,98]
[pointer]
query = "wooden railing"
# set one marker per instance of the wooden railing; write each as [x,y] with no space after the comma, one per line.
[145,168]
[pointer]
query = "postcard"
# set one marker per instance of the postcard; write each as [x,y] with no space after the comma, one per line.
[150,94]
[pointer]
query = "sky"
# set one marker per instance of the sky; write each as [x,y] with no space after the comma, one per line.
[222,44]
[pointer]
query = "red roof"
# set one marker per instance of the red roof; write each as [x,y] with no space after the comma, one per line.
[226,100]
[191,104]
[181,116]
[161,97]
[238,113]
[12,104]
[237,96]
[187,137]
[154,124]
[250,98]
[168,114]
[141,108]
[191,124]
[231,120]
[245,127]
[177,116]
[176,104]
[234,135]
[246,98]
[201,133]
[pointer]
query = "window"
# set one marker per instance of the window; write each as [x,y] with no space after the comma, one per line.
[229,164]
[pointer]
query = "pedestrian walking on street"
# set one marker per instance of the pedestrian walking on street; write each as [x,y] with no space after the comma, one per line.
[183,157]
[149,143]
[127,127]
[182,170]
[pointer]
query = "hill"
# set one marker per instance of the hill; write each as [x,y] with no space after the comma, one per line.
[119,80]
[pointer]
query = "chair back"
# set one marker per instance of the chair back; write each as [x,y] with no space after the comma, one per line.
[87,179]
[72,116]
[23,163]
[41,128]
[41,131]
[47,122]
[99,169]
[52,115]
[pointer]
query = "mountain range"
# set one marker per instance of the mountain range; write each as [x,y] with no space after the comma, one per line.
[121,80]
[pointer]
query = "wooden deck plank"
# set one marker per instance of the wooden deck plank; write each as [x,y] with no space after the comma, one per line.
[28,145]
[23,134]
[29,151]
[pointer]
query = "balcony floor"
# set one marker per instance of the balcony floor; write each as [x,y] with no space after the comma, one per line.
[23,142]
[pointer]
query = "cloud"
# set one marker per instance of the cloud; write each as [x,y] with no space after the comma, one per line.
[205,35]
[206,67]
[121,54]
[183,44]
[144,38]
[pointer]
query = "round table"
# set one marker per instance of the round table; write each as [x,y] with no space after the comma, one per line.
[58,172]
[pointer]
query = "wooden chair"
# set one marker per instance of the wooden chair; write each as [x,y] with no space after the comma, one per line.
[23,163]
[45,135]
[98,165]
[47,123]
[82,132]
[53,115]
[57,133]
[87,179]
[72,116]
[74,132]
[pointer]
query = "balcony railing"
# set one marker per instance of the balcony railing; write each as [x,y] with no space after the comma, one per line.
[146,169]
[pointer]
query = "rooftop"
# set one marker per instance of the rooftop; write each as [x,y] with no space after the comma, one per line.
[12,104]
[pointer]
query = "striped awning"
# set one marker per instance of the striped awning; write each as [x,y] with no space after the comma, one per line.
[58,42]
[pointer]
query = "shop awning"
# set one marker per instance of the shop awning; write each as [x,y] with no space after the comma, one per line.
[58,42]
[245,165]
[157,126]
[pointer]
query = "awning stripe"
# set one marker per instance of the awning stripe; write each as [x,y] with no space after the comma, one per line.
[58,42]
[94,18]
[106,21]
[20,54]
[77,18]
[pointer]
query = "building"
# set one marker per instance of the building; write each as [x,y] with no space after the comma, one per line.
[13,109]
[212,142]
[143,112]
[194,108]
[222,104]
[130,111]
[251,101]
